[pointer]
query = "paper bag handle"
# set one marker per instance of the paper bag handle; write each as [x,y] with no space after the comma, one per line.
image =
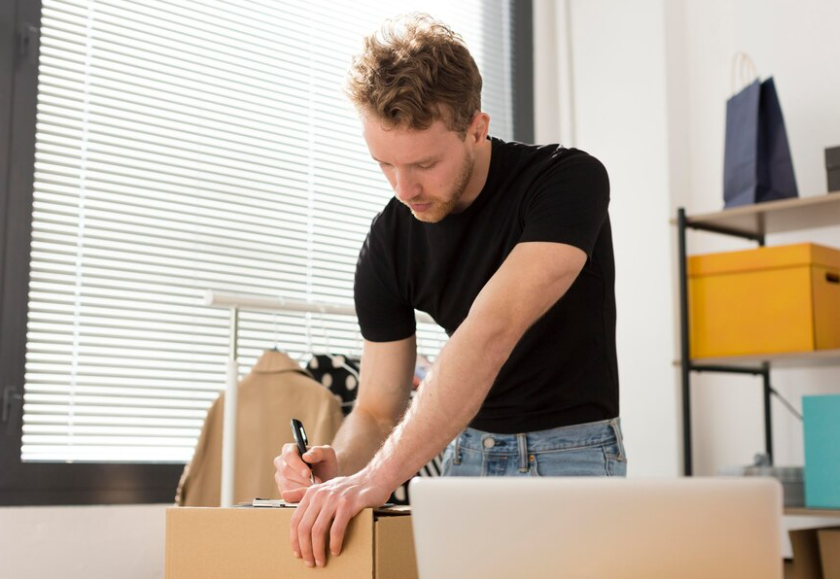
[743,71]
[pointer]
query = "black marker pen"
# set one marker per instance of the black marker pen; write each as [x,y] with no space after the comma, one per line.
[302,442]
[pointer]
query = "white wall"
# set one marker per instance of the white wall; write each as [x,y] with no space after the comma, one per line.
[650,80]
[797,43]
[619,87]
[95,542]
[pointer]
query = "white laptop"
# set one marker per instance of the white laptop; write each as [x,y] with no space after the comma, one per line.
[598,528]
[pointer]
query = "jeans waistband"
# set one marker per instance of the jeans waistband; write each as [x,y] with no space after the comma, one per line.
[564,437]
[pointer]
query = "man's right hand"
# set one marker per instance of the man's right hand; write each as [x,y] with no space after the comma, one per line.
[292,474]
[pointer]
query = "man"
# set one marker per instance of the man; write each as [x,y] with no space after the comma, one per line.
[508,247]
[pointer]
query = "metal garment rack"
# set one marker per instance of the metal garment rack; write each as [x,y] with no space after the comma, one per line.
[235,303]
[688,366]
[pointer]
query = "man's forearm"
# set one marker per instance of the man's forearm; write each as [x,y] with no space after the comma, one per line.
[358,439]
[447,400]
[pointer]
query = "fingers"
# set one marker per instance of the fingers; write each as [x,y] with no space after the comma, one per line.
[314,455]
[292,473]
[319,454]
[294,496]
[290,482]
[320,530]
[312,526]
[292,459]
[339,527]
[295,523]
[301,529]
[324,514]
[323,460]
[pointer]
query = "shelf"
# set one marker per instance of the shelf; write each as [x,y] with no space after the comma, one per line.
[775,216]
[790,360]
[805,512]
[753,222]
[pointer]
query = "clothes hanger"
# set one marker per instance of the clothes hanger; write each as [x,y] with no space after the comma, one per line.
[339,361]
[308,354]
[274,348]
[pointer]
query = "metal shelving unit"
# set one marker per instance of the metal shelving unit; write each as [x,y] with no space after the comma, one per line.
[753,222]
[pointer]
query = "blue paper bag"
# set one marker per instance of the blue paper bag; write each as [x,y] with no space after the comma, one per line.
[757,166]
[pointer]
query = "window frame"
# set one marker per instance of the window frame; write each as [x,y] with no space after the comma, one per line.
[97,483]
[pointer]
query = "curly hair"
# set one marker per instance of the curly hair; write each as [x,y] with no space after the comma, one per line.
[414,71]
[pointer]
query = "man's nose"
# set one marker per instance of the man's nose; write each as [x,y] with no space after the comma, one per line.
[405,186]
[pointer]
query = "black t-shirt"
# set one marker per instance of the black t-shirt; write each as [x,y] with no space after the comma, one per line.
[563,371]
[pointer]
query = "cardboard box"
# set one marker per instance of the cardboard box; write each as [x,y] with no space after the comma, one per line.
[768,300]
[215,543]
[821,427]
[830,552]
[816,553]
[806,554]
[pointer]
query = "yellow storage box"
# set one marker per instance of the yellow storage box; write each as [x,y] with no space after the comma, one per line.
[768,300]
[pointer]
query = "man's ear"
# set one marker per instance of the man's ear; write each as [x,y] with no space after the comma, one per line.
[479,128]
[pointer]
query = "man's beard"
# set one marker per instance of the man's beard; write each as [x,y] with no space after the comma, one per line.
[441,209]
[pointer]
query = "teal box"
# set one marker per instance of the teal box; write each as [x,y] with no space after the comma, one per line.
[821,418]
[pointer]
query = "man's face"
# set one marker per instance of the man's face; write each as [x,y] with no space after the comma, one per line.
[429,170]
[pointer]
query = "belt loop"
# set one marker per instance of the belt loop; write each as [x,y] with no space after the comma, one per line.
[456,454]
[619,438]
[522,442]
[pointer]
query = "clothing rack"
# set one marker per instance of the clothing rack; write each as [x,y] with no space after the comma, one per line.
[236,302]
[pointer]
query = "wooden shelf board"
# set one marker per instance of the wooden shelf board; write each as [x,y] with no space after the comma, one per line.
[787,360]
[805,512]
[776,216]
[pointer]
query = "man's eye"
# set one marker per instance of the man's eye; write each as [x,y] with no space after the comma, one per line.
[424,167]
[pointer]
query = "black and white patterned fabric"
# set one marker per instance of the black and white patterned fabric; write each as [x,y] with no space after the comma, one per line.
[340,374]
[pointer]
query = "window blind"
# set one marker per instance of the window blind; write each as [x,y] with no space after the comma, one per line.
[189,146]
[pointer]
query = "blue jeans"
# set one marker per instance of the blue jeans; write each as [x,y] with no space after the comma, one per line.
[591,449]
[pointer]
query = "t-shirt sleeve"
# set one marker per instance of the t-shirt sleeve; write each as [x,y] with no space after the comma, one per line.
[569,203]
[384,316]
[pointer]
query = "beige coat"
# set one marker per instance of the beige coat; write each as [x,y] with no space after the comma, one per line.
[276,390]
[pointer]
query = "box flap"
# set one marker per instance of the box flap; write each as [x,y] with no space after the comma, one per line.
[806,554]
[764,258]
[398,510]
[829,540]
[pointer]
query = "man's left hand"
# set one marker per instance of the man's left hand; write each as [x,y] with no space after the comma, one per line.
[326,510]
